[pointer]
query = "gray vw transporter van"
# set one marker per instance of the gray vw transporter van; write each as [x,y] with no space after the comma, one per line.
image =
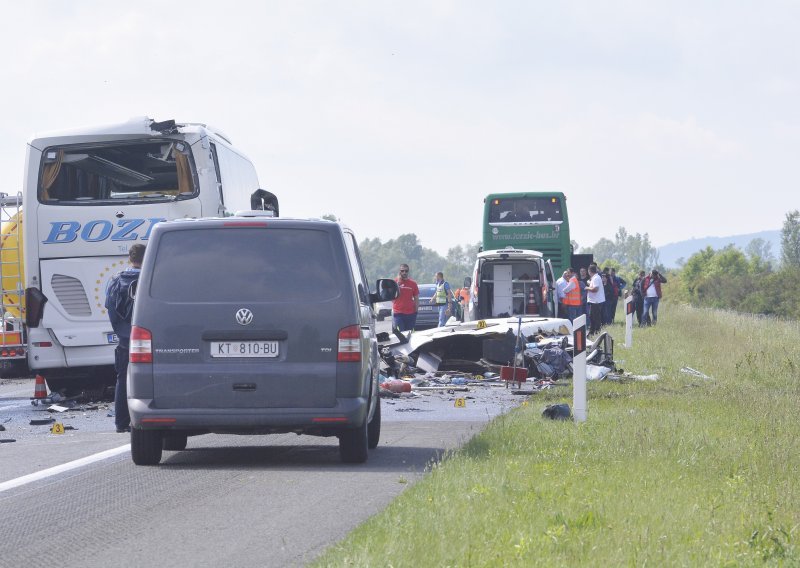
[254,325]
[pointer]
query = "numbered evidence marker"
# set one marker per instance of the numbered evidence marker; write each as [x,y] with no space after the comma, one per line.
[481,324]
[461,402]
[57,428]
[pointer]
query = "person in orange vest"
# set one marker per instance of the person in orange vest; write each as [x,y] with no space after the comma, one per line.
[561,285]
[572,296]
[462,297]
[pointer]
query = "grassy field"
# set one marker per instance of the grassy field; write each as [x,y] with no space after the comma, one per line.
[677,472]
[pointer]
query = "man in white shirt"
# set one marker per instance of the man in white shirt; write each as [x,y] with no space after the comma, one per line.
[595,298]
[561,284]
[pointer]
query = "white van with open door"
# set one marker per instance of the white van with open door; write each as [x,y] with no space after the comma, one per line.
[511,282]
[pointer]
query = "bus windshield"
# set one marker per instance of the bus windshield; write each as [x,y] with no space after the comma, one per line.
[142,171]
[528,210]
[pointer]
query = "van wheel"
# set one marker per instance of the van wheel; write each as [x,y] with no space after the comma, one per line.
[146,446]
[353,444]
[374,427]
[174,442]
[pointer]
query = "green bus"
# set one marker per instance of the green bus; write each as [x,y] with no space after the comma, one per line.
[530,220]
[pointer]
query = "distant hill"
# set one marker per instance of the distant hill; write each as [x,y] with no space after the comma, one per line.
[671,253]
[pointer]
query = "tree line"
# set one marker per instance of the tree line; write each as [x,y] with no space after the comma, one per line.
[749,281]
[382,258]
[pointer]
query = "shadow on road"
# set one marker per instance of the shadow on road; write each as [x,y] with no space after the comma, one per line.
[300,458]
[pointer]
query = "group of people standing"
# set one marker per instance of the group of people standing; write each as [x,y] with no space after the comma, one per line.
[590,292]
[597,293]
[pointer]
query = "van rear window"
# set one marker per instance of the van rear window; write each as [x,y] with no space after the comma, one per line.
[246,265]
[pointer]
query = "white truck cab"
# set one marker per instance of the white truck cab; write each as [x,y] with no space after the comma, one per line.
[509,282]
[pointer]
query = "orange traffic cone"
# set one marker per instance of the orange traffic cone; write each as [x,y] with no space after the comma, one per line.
[40,390]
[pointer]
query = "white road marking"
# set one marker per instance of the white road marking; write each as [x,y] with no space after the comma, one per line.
[20,405]
[45,473]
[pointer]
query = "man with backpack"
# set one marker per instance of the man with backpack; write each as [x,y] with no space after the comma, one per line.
[120,295]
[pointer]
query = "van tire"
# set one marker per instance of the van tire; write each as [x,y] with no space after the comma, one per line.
[146,446]
[353,444]
[374,427]
[175,442]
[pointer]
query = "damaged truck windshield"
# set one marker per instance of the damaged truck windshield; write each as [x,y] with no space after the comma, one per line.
[144,170]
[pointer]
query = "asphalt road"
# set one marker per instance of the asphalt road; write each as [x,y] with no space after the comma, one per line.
[225,501]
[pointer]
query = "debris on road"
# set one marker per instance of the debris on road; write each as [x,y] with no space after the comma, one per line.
[42,421]
[543,346]
[396,386]
[483,358]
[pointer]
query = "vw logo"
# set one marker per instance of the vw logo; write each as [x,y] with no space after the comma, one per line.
[244,317]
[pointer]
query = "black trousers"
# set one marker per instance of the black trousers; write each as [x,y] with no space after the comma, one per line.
[596,317]
[122,418]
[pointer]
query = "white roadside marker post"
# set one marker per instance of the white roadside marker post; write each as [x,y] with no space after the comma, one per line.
[629,322]
[579,369]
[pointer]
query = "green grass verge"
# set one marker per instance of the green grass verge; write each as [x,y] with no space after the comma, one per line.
[678,472]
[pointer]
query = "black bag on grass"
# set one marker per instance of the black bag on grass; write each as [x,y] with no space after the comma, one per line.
[557,412]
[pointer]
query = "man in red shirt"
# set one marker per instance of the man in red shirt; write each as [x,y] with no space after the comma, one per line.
[405,306]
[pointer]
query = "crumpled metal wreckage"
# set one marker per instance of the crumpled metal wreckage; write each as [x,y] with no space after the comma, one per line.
[542,345]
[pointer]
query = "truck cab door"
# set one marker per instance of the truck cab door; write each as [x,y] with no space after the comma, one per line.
[550,282]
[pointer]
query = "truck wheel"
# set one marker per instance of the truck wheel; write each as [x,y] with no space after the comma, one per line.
[146,446]
[374,427]
[353,444]
[175,442]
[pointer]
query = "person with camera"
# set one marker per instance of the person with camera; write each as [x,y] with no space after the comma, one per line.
[638,298]
[651,290]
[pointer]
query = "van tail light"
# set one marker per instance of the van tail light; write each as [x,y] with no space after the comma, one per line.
[141,349]
[349,344]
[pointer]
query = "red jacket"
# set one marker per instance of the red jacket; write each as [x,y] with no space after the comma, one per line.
[648,280]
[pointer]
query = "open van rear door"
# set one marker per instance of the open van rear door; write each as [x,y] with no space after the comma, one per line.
[550,281]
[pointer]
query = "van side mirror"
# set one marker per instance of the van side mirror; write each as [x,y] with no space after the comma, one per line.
[467,282]
[387,290]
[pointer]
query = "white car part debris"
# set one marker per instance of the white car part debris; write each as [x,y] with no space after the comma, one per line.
[428,362]
[596,372]
[694,373]
[531,325]
[653,377]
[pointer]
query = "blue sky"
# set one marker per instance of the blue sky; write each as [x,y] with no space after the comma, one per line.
[679,119]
